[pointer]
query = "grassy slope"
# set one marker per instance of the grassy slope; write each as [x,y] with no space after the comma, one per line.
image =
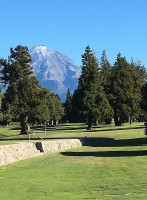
[110,172]
[10,134]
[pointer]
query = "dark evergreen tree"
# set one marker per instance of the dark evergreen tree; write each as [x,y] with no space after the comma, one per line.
[68,106]
[76,113]
[106,70]
[145,129]
[23,88]
[144,102]
[6,114]
[141,71]
[90,97]
[41,112]
[126,91]
[0,97]
[56,108]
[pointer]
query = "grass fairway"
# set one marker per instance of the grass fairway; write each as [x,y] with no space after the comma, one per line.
[112,171]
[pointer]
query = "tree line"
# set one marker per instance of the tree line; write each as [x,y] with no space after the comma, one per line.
[24,100]
[104,92]
[107,92]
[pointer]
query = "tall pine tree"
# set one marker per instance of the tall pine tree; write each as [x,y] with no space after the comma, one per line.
[91,99]
[23,90]
[144,101]
[126,91]
[55,107]
[106,70]
[68,106]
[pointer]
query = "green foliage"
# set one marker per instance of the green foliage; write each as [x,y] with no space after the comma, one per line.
[55,107]
[23,90]
[89,96]
[41,112]
[122,86]
[6,114]
[144,100]
[126,90]
[141,71]
[105,71]
[68,106]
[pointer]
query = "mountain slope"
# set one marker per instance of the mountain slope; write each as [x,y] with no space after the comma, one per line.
[54,70]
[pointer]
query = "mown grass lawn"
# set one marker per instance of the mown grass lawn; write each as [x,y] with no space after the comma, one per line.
[10,134]
[112,171]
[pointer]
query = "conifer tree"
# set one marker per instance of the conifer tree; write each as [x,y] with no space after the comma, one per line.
[41,112]
[126,91]
[144,101]
[106,70]
[68,106]
[55,107]
[141,71]
[23,90]
[91,101]
[6,114]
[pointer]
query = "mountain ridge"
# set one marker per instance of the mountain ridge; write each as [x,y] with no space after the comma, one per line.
[54,70]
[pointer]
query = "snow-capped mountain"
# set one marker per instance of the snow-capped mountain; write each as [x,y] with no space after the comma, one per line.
[54,70]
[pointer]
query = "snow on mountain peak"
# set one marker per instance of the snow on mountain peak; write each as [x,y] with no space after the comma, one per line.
[54,70]
[41,49]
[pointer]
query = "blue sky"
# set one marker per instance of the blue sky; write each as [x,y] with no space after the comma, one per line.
[68,26]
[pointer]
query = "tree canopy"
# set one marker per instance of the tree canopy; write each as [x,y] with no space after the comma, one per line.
[104,92]
[23,91]
[68,106]
[92,101]
[126,90]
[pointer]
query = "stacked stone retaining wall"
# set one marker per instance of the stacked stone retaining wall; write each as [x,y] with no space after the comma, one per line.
[55,146]
[16,152]
[24,150]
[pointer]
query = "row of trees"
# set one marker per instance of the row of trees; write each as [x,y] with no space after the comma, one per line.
[24,99]
[106,92]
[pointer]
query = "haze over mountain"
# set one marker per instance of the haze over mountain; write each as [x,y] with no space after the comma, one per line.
[54,70]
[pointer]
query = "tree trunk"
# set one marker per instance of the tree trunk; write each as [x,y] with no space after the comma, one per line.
[130,120]
[89,124]
[24,125]
[51,122]
[96,122]
[118,121]
[145,128]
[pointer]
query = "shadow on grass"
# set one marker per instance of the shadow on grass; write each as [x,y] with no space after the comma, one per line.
[2,136]
[72,128]
[107,153]
[51,128]
[118,129]
[64,128]
[110,142]
[90,141]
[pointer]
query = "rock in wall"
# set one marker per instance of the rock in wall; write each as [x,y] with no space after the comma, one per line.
[16,152]
[54,146]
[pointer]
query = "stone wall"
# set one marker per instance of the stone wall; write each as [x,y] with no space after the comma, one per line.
[54,146]
[16,152]
[24,150]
